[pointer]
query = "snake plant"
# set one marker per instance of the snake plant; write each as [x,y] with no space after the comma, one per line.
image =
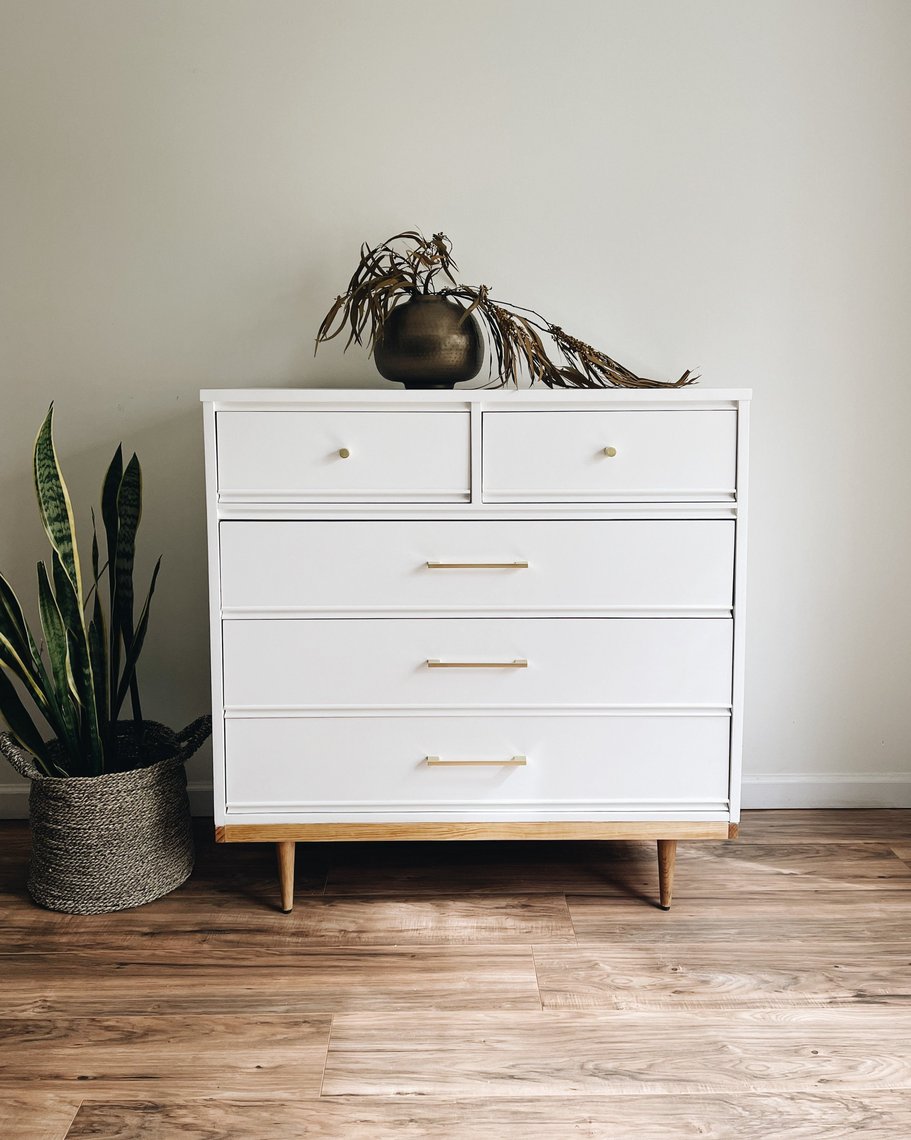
[77,675]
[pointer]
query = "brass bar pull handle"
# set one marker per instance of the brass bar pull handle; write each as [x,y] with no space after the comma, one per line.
[512,762]
[477,565]
[518,663]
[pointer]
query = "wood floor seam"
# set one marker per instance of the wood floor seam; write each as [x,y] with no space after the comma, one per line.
[534,962]
[326,1060]
[569,913]
[69,1127]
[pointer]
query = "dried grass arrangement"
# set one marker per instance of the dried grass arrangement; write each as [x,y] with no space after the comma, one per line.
[409,265]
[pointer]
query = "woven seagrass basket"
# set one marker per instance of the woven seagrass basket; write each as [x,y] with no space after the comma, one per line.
[110,842]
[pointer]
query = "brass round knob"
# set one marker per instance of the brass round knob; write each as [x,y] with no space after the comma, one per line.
[343,453]
[610,452]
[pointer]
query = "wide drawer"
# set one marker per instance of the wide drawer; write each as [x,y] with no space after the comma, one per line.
[477,663]
[578,456]
[610,567]
[326,765]
[343,456]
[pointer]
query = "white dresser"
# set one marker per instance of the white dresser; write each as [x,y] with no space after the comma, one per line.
[476,615]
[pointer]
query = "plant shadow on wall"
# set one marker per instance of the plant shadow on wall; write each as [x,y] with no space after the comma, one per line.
[425,329]
[108,804]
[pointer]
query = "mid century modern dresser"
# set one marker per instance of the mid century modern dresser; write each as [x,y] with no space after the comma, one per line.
[476,614]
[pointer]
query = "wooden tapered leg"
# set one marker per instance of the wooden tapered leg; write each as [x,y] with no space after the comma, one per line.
[667,857]
[285,852]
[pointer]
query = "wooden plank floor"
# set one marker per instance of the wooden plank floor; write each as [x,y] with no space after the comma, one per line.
[490,991]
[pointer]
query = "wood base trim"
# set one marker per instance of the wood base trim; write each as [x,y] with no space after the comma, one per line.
[344,832]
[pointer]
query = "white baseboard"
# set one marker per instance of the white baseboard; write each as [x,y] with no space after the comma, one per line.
[200,797]
[828,790]
[819,790]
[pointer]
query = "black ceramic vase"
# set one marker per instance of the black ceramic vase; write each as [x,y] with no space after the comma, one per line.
[427,343]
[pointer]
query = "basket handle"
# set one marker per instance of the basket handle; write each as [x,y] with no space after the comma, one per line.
[193,737]
[190,740]
[20,759]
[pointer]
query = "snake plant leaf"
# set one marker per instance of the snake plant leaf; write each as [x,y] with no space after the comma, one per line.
[72,652]
[12,619]
[55,639]
[39,685]
[80,671]
[63,713]
[109,490]
[67,602]
[129,513]
[17,648]
[99,670]
[83,761]
[97,569]
[81,675]
[79,667]
[54,501]
[96,558]
[21,726]
[17,644]
[135,647]
[97,652]
[78,654]
[12,661]
[37,661]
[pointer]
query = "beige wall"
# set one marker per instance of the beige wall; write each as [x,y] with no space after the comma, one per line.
[722,185]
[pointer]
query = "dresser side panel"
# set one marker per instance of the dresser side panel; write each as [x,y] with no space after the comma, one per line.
[215,643]
[740,584]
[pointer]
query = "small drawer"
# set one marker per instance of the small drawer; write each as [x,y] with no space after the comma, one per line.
[340,456]
[477,664]
[521,766]
[637,456]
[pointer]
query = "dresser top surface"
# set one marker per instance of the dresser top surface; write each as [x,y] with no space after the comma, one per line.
[553,399]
